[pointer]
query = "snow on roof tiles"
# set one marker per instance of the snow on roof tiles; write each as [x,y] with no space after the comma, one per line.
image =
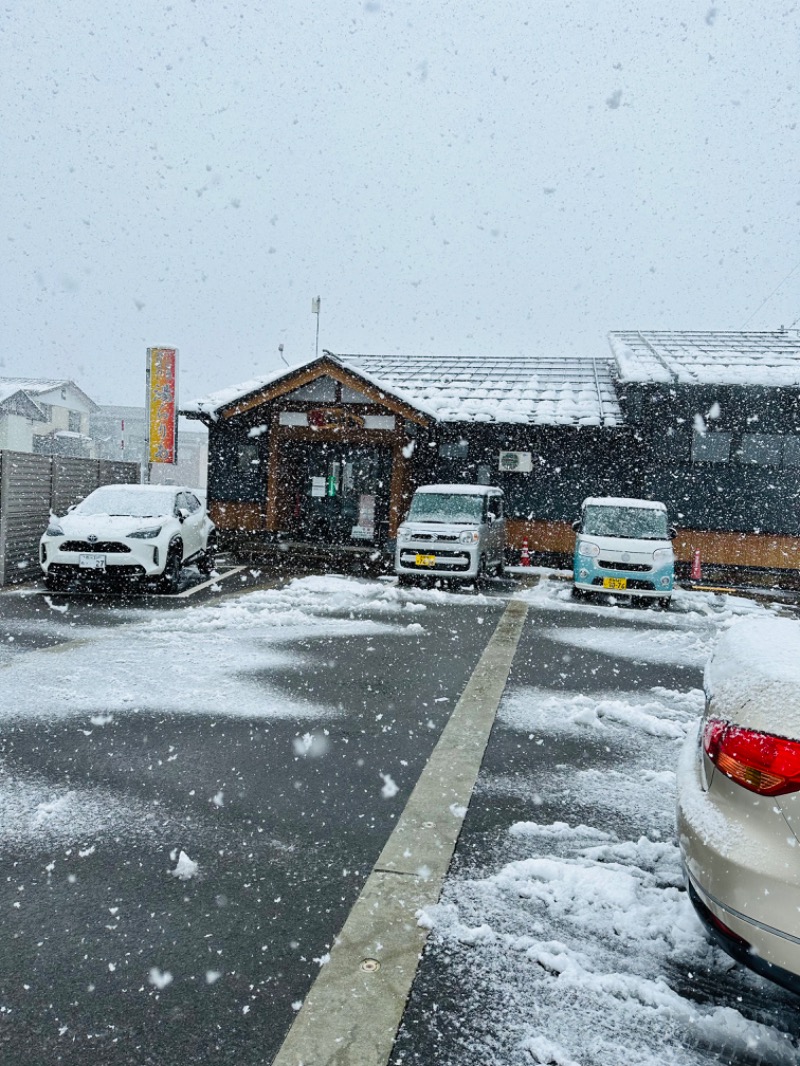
[34,385]
[531,389]
[539,390]
[708,358]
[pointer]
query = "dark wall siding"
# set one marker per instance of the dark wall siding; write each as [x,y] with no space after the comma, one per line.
[732,495]
[569,464]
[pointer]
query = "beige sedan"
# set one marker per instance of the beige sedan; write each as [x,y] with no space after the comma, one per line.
[739,799]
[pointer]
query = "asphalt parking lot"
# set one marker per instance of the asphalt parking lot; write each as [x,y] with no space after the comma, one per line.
[273,730]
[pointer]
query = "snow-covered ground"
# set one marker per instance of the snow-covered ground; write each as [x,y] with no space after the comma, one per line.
[569,939]
[202,660]
[213,660]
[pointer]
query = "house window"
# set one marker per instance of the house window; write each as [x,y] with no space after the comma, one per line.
[711,447]
[322,389]
[791,451]
[353,395]
[761,449]
[454,449]
[74,421]
[248,458]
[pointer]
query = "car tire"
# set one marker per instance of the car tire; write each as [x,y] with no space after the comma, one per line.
[170,579]
[483,571]
[664,602]
[405,580]
[207,562]
[53,582]
[578,594]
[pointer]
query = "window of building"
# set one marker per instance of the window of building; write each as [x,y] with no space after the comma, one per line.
[248,458]
[454,449]
[761,449]
[74,421]
[711,447]
[322,389]
[353,396]
[791,451]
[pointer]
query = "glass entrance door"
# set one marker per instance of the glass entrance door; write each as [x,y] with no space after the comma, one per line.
[338,492]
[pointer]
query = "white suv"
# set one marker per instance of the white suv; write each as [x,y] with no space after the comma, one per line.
[132,532]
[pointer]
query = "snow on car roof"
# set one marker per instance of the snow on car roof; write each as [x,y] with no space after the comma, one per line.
[708,357]
[753,675]
[462,490]
[622,501]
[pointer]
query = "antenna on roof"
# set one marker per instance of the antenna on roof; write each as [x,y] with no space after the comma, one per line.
[280,353]
[315,311]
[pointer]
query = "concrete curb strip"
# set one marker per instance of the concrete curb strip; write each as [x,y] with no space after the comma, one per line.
[352,1012]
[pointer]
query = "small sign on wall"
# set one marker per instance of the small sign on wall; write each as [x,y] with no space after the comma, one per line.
[516,462]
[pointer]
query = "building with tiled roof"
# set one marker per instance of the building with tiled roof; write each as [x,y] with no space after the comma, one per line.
[709,423]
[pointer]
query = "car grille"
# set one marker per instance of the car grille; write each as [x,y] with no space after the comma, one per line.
[105,547]
[445,560]
[443,537]
[127,571]
[633,568]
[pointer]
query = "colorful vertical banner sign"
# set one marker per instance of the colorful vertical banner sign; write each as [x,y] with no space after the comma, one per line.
[162,405]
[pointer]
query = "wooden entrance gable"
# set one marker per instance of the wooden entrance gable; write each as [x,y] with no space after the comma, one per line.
[344,407]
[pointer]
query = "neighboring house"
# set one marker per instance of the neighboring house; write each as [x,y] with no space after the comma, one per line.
[121,432]
[330,451]
[45,416]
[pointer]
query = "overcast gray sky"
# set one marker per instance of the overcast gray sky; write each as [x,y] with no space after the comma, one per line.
[450,177]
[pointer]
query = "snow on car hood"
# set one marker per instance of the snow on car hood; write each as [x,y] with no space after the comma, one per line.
[102,525]
[439,527]
[753,676]
[625,544]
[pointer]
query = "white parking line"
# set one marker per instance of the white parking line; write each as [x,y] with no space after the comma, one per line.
[208,584]
[351,1014]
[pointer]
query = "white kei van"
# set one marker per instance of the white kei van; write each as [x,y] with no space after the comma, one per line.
[452,531]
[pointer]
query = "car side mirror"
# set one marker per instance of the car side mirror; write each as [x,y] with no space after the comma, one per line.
[183,514]
[672,532]
[576,526]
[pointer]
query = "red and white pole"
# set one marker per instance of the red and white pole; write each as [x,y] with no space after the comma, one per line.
[525,558]
[697,571]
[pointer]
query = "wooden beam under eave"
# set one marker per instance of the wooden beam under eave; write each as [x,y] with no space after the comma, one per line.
[327,368]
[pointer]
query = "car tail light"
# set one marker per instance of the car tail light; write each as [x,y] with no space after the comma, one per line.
[760,762]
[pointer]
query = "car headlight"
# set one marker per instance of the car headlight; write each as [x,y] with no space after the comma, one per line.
[145,534]
[469,536]
[585,547]
[402,532]
[53,530]
[663,555]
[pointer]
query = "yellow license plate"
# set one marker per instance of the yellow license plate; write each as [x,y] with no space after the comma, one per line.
[615,582]
[425,560]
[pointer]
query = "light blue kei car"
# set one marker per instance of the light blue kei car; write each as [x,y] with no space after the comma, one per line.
[624,546]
